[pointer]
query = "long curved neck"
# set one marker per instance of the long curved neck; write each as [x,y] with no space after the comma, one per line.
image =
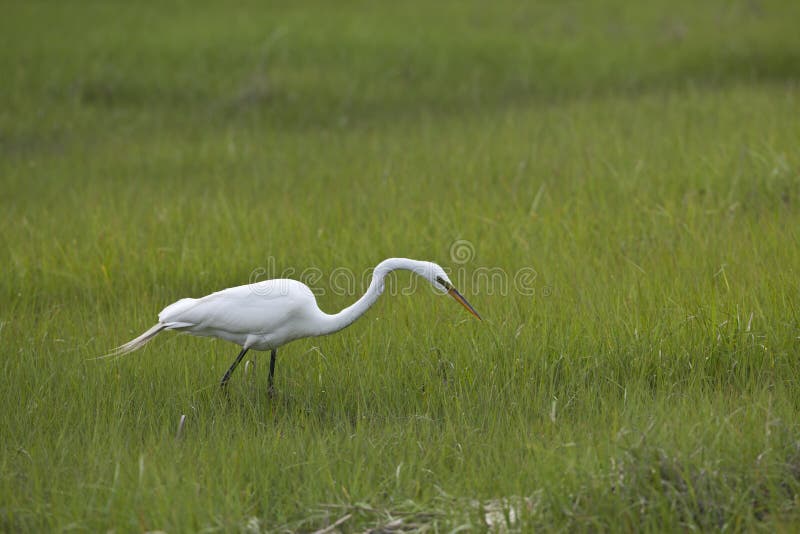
[346,317]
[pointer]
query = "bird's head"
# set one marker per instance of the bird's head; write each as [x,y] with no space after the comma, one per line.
[434,274]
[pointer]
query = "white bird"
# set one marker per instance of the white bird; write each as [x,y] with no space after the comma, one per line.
[269,314]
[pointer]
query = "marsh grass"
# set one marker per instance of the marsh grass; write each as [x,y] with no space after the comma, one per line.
[642,159]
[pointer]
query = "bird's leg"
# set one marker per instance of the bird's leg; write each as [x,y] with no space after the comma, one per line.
[232,367]
[272,369]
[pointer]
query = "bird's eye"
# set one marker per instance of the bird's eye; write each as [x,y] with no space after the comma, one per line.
[443,283]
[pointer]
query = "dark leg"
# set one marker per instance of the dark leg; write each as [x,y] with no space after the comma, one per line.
[235,363]
[272,368]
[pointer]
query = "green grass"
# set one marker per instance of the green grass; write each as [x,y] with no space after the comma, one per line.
[641,159]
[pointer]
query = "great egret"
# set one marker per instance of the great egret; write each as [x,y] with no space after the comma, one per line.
[267,315]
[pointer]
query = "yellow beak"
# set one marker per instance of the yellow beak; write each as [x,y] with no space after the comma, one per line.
[461,300]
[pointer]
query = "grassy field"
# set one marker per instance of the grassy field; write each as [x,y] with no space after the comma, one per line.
[637,162]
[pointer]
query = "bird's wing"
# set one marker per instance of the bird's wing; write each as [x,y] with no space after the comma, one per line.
[250,309]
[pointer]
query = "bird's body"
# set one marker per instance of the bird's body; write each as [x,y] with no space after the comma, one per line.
[269,314]
[261,316]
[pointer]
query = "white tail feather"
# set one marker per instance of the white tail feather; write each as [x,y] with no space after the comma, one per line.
[136,343]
